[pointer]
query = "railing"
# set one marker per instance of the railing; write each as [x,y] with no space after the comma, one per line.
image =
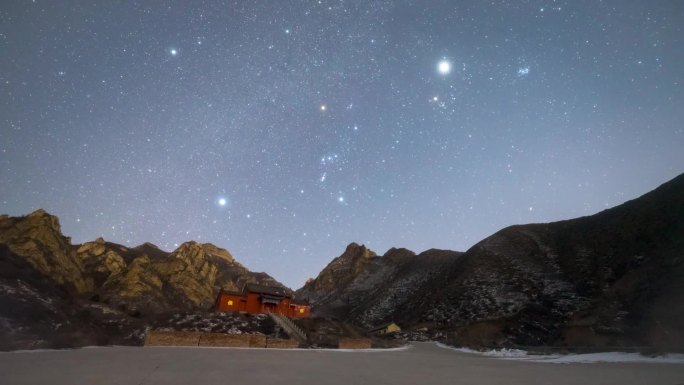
[290,328]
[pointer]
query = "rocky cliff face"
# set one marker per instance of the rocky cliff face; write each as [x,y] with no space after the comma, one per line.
[610,279]
[339,274]
[143,277]
[37,238]
[614,278]
[367,289]
[189,277]
[48,285]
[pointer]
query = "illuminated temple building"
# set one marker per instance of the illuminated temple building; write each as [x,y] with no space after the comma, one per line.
[258,299]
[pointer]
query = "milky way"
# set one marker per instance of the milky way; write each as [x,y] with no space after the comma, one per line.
[283,131]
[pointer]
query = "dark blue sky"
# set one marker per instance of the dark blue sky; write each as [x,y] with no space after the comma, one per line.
[282,131]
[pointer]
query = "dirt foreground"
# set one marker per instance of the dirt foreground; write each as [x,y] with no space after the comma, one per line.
[421,363]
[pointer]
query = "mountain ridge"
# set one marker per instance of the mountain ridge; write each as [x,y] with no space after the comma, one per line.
[102,268]
[54,293]
[606,279]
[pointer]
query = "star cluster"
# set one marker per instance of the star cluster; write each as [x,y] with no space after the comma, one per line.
[284,130]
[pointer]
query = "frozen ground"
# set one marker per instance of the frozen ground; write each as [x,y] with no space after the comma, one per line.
[422,363]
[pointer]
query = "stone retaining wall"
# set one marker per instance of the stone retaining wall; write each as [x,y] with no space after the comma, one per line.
[224,339]
[167,338]
[281,344]
[257,341]
[354,343]
[175,338]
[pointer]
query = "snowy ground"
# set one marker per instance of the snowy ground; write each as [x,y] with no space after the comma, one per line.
[616,357]
[422,363]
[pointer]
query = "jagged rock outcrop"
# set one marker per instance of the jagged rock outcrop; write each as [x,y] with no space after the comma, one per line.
[37,312]
[366,289]
[189,277]
[100,261]
[48,284]
[609,279]
[339,273]
[38,239]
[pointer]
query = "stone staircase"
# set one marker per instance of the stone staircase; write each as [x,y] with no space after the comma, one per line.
[290,328]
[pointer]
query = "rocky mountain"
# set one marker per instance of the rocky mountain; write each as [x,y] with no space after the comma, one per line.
[615,278]
[366,289]
[51,289]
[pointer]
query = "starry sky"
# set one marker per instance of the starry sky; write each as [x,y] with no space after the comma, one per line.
[282,131]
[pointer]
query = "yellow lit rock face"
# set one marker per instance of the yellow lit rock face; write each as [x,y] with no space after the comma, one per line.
[143,278]
[37,238]
[113,263]
[189,277]
[194,253]
[94,249]
[100,261]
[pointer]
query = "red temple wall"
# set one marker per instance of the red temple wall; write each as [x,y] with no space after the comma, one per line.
[252,304]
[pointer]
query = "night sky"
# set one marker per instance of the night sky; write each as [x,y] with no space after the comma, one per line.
[282,131]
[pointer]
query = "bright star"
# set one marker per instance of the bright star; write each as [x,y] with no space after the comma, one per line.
[340,199]
[323,107]
[173,52]
[444,67]
[222,202]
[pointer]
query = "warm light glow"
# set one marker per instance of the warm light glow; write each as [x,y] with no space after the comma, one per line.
[230,302]
[301,310]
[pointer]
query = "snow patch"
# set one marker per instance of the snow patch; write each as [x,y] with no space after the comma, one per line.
[611,357]
[104,309]
[586,358]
